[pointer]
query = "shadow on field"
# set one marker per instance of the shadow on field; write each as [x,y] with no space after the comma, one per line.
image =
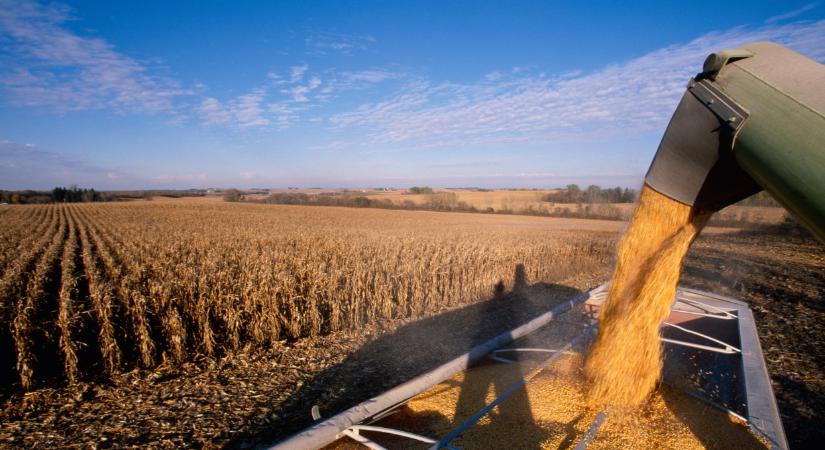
[407,352]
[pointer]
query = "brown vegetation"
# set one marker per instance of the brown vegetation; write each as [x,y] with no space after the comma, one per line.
[263,393]
[593,203]
[90,289]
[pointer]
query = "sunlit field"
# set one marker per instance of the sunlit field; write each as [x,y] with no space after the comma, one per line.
[91,289]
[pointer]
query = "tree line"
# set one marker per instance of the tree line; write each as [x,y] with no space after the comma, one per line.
[72,194]
[75,194]
[572,193]
[57,195]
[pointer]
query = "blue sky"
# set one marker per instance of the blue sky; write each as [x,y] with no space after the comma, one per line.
[119,95]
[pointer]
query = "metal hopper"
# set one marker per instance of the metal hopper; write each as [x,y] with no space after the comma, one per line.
[712,352]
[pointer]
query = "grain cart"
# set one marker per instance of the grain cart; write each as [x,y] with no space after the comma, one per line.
[753,119]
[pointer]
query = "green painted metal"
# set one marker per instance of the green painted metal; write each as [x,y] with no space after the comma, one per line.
[783,149]
[782,145]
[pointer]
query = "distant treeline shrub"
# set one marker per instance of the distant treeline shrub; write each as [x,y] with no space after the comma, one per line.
[573,202]
[420,190]
[441,201]
[25,197]
[232,195]
[72,194]
[593,194]
[150,193]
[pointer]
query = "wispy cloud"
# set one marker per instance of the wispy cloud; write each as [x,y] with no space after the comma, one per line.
[370,76]
[282,113]
[299,92]
[624,99]
[791,14]
[329,42]
[244,111]
[248,109]
[284,96]
[45,64]
[28,166]
[213,112]
[297,72]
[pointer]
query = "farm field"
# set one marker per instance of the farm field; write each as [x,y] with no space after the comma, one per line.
[497,199]
[528,202]
[195,322]
[91,289]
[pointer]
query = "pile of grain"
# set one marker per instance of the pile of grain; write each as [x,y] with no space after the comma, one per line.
[553,412]
[626,359]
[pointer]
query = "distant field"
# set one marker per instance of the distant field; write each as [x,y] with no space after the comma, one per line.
[530,202]
[527,202]
[496,199]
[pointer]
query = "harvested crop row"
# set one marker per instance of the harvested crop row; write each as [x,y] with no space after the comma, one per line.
[67,307]
[14,284]
[136,284]
[28,328]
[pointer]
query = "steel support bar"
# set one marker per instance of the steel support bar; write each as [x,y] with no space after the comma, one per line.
[362,440]
[719,313]
[727,347]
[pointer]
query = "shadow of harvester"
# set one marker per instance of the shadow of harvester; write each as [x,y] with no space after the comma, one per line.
[411,350]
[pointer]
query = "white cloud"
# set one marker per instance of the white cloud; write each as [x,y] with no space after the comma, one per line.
[344,44]
[299,93]
[213,113]
[282,113]
[245,111]
[372,76]
[337,82]
[791,14]
[627,99]
[297,72]
[493,76]
[45,64]
[248,110]
[275,78]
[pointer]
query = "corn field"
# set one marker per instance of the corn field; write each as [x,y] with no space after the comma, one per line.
[88,290]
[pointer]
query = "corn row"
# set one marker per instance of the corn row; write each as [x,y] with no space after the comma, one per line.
[101,297]
[145,282]
[67,310]
[129,298]
[26,320]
